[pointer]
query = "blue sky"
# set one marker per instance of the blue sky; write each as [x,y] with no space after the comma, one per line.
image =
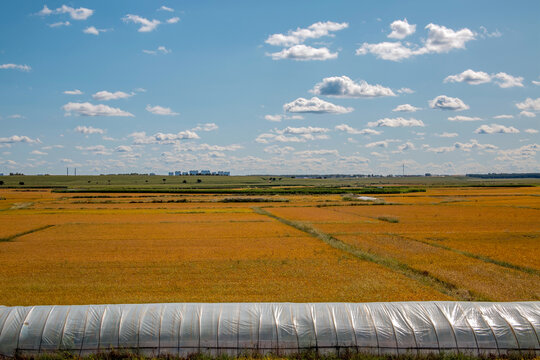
[269,87]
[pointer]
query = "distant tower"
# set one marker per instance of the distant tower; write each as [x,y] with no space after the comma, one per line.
[67,171]
[75,171]
[403,169]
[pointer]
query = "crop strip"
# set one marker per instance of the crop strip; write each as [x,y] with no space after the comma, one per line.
[13,237]
[483,258]
[418,275]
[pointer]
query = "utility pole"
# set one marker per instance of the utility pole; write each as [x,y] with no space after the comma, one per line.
[67,171]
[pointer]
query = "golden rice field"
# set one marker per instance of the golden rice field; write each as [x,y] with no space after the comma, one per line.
[445,243]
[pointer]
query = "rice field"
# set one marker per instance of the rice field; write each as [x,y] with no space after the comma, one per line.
[445,243]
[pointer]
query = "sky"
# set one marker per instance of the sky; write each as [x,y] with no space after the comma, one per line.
[269,87]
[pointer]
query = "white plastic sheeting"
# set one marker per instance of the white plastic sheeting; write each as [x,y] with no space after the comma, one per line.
[280,328]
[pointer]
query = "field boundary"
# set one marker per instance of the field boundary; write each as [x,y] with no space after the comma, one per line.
[423,277]
[13,237]
[483,258]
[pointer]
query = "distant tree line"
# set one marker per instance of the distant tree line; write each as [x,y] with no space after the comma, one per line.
[505,175]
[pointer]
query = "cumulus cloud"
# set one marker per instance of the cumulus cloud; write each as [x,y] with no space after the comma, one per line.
[444,102]
[73,92]
[406,108]
[300,35]
[76,14]
[205,147]
[278,150]
[405,90]
[92,30]
[309,153]
[16,67]
[440,39]
[206,127]
[401,29]
[18,139]
[406,146]
[278,117]
[343,86]
[536,82]
[59,24]
[350,130]
[140,138]
[529,104]
[496,129]
[467,147]
[524,152]
[396,122]
[88,109]
[173,20]
[503,116]
[146,25]
[303,53]
[528,114]
[123,148]
[382,143]
[464,118]
[531,131]
[447,135]
[95,149]
[160,110]
[88,130]
[293,134]
[472,77]
[37,152]
[105,95]
[315,106]
[160,50]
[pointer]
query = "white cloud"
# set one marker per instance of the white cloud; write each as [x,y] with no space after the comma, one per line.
[206,127]
[317,152]
[440,40]
[161,49]
[173,20]
[503,116]
[88,109]
[95,149]
[406,108]
[529,104]
[531,131]
[165,8]
[302,130]
[304,53]
[123,148]
[76,14]
[140,138]
[105,95]
[350,130]
[73,92]
[159,110]
[16,116]
[315,106]
[275,118]
[472,77]
[444,102]
[87,130]
[467,147]
[464,118]
[343,86]
[146,25]
[59,24]
[298,36]
[205,147]
[528,114]
[16,67]
[396,122]
[496,129]
[37,152]
[382,143]
[407,146]
[405,90]
[447,135]
[536,82]
[486,33]
[524,152]
[401,29]
[18,139]
[92,30]
[275,149]
[293,134]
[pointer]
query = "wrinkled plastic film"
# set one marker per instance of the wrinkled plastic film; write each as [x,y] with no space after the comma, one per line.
[280,328]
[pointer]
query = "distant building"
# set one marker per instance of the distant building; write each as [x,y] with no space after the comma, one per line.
[193,172]
[185,173]
[177,173]
[171,173]
[205,172]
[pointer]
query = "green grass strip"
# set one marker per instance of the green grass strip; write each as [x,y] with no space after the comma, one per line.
[13,237]
[421,276]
